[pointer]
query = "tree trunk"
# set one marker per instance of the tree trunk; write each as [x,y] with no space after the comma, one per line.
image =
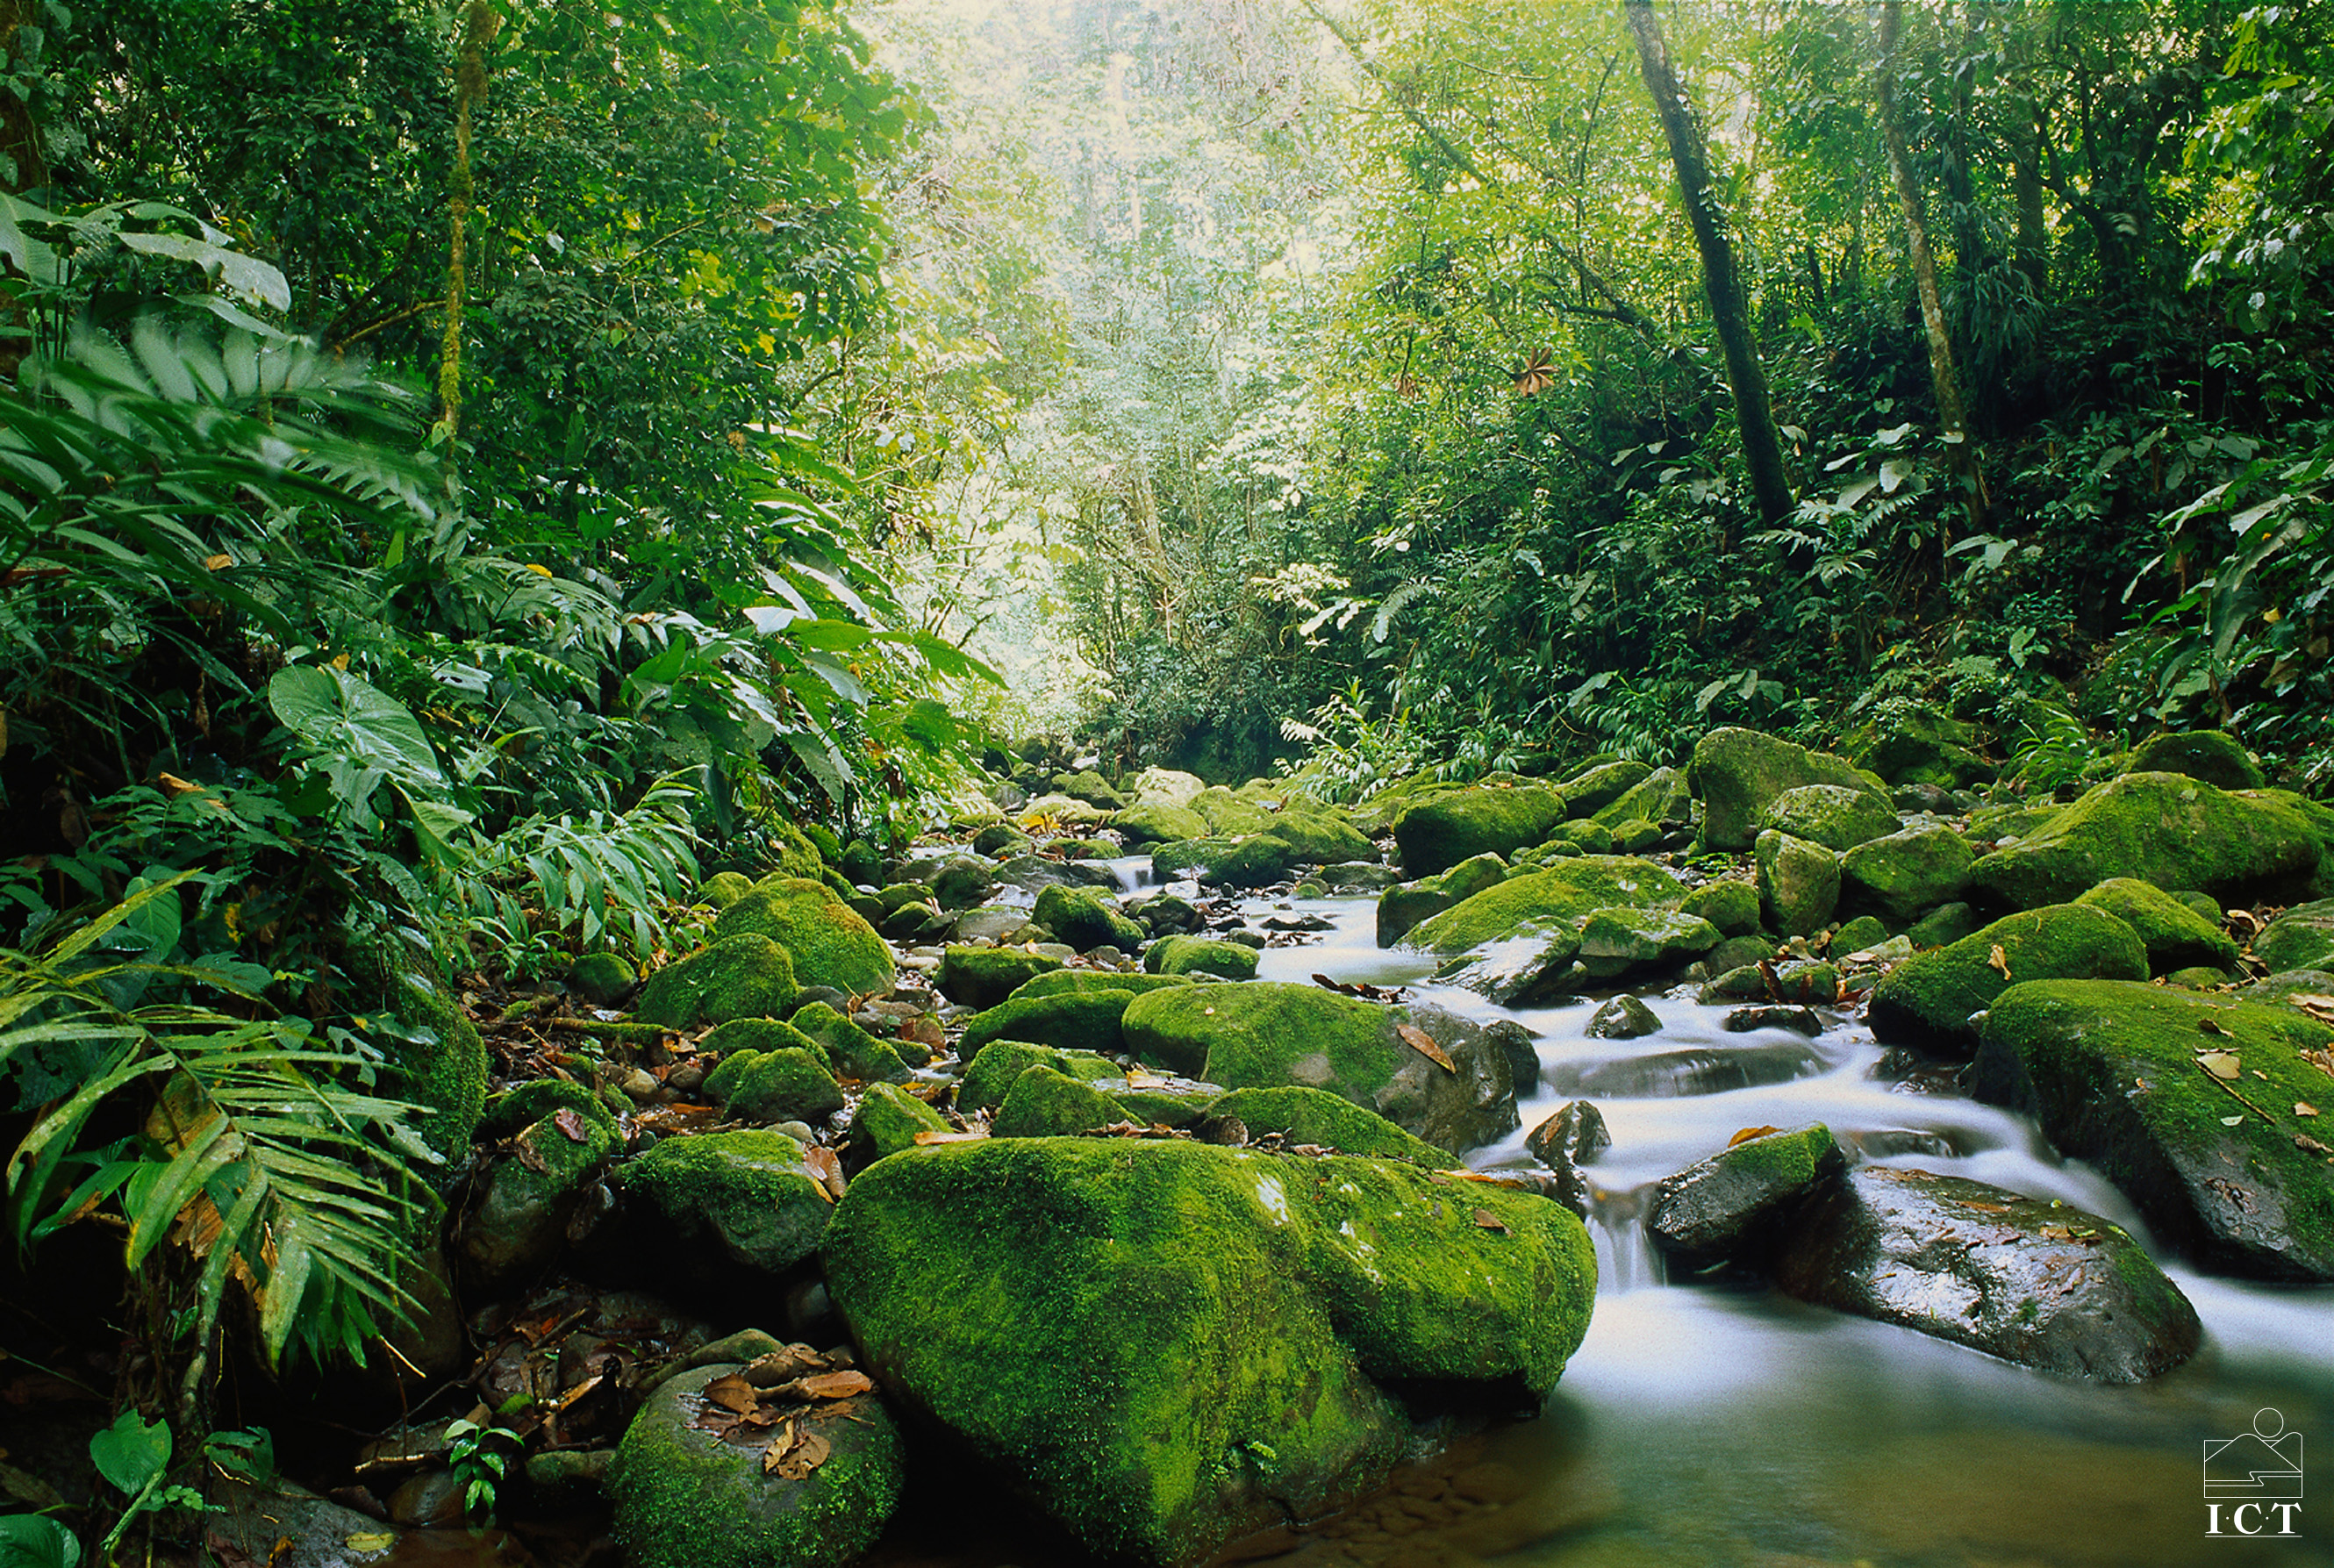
[1763,446]
[479,23]
[1950,413]
[2033,230]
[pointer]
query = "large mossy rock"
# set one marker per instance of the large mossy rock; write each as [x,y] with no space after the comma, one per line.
[1799,883]
[2163,828]
[744,976]
[1833,815]
[888,1120]
[529,1196]
[789,1086]
[1166,786]
[1928,1000]
[1565,891]
[2301,939]
[1660,797]
[443,1065]
[1729,1208]
[2175,936]
[748,1194]
[984,977]
[1263,1035]
[686,1497]
[1440,832]
[1046,1104]
[1314,1116]
[1157,822]
[1903,875]
[1163,1345]
[1726,903]
[2043,1287]
[1920,746]
[989,1078]
[1074,982]
[830,944]
[2127,1077]
[2211,755]
[1086,921]
[1598,785]
[1187,954]
[1737,774]
[1627,946]
[1071,1020]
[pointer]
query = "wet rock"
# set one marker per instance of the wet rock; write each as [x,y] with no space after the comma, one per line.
[1689,1071]
[1593,789]
[1799,883]
[431,1499]
[1001,841]
[852,1050]
[1943,926]
[2211,755]
[1799,1020]
[1444,830]
[1318,838]
[1730,906]
[741,977]
[989,1079]
[1044,1103]
[2038,1284]
[1313,1116]
[789,1085]
[1738,774]
[1919,747]
[2301,939]
[829,943]
[745,1200]
[2163,828]
[1836,816]
[1903,873]
[1565,891]
[1357,877]
[1571,1137]
[1929,1001]
[1859,935]
[1167,1345]
[569,1471]
[1516,1043]
[1622,1017]
[984,977]
[1660,797]
[2175,936]
[1729,1208]
[2288,984]
[603,978]
[687,1497]
[1260,1035]
[1183,954]
[1617,945]
[1795,982]
[1036,874]
[2129,1078]
[1157,822]
[536,1187]
[1166,915]
[1166,786]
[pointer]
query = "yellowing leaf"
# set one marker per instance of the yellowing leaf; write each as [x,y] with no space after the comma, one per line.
[372,1541]
[1420,1041]
[2303,1108]
[539,571]
[2220,1063]
[217,562]
[342,662]
[1486,1220]
[1998,960]
[1744,1135]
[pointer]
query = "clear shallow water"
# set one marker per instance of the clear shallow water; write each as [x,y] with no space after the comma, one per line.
[1728,1425]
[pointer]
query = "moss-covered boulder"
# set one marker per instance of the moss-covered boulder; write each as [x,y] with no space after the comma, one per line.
[442,1064]
[887,1121]
[1928,1000]
[991,1075]
[1799,883]
[2035,1283]
[1202,955]
[1167,786]
[1600,785]
[2138,1080]
[1157,822]
[1588,836]
[1077,982]
[1314,1116]
[748,1196]
[791,1085]
[1730,905]
[1089,786]
[518,1224]
[2211,755]
[1903,874]
[1798,983]
[2163,828]
[1162,1345]
[722,889]
[1731,1208]
[1942,926]
[1001,841]
[761,1034]
[1085,920]
[2302,937]
[2175,936]
[1265,1034]
[1045,1104]
[852,1051]
[1320,839]
[829,943]
[1441,831]
[687,1497]
[984,977]
[1916,744]
[1569,889]
[1624,944]
[602,979]
[1072,1020]
[1660,797]
[1737,774]
[1833,815]
[747,976]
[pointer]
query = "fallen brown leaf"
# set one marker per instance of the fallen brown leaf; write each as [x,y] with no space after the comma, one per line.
[2308,1145]
[827,1166]
[931,1136]
[2212,1026]
[1420,1041]
[1746,1134]
[732,1392]
[830,1385]
[1485,1219]
[2303,1108]
[1998,960]
[2220,1063]
[571,1125]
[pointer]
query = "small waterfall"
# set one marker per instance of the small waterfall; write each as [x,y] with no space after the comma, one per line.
[1626,1258]
[1133,872]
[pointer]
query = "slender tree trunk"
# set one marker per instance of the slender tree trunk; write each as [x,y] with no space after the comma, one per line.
[1762,445]
[1951,412]
[470,89]
[2033,232]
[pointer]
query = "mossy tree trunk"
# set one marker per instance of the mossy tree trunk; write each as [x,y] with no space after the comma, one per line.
[1762,445]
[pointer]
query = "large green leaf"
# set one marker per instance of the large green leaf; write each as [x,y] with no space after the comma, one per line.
[31,1541]
[339,714]
[131,1453]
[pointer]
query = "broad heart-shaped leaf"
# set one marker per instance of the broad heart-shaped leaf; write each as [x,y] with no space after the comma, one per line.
[33,1541]
[338,714]
[131,1454]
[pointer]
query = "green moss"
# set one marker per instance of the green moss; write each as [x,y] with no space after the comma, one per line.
[1313,1116]
[1402,909]
[1900,875]
[1615,943]
[789,1085]
[1918,745]
[750,1192]
[687,1498]
[2175,936]
[536,1099]
[2302,937]
[828,941]
[1168,1343]
[1661,796]
[1258,1033]
[1085,921]
[602,978]
[1319,839]
[1590,838]
[722,889]
[1927,1001]
[791,853]
[745,976]
[991,1075]
[1043,1103]
[445,1072]
[1204,955]
[1737,774]
[2211,755]
[1157,822]
[2163,828]
[1074,982]
[852,1052]
[1859,935]
[1834,815]
[1598,785]
[1075,1021]
[1799,883]
[2112,1073]
[888,1119]
[1439,832]
[762,1035]
[1569,890]
[1730,906]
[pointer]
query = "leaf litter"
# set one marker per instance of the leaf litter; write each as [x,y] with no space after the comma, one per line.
[786,1394]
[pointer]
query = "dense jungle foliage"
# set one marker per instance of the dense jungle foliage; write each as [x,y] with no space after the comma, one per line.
[468,471]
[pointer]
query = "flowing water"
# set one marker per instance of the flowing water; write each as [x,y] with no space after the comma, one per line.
[1706,1424]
